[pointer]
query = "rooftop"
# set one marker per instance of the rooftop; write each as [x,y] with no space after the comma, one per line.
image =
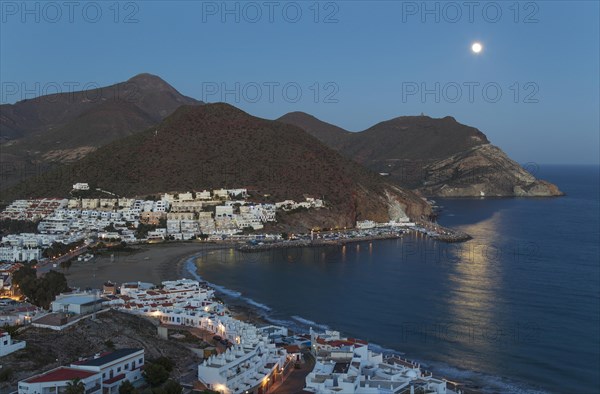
[80,300]
[106,358]
[341,367]
[60,374]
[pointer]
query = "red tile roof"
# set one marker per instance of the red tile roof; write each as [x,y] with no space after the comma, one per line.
[60,374]
[292,349]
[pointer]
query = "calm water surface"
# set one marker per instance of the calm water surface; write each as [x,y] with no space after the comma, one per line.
[516,309]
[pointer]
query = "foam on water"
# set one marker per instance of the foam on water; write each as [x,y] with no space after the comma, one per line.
[485,383]
[290,324]
[380,349]
[256,304]
[310,323]
[190,266]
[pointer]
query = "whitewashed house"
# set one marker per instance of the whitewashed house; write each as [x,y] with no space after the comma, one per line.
[115,367]
[56,381]
[81,186]
[9,345]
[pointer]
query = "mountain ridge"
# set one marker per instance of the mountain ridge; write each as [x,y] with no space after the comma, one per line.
[435,156]
[48,130]
[218,145]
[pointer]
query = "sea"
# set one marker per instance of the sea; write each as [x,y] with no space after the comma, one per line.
[514,310]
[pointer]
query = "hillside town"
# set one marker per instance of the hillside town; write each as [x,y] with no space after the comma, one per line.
[247,358]
[209,215]
[217,215]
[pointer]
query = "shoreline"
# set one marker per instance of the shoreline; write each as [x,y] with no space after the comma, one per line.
[170,261]
[152,263]
[248,310]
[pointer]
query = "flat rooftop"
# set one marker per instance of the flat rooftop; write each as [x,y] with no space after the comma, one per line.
[341,367]
[106,358]
[80,300]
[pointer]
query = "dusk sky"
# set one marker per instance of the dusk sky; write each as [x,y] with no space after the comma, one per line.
[534,87]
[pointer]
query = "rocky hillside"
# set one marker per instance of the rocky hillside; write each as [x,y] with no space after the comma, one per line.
[438,157]
[330,135]
[39,133]
[47,349]
[218,145]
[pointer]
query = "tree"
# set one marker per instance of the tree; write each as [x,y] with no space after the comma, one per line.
[110,228]
[127,388]
[5,374]
[13,331]
[10,226]
[75,386]
[166,362]
[155,374]
[65,265]
[40,291]
[172,387]
[248,230]
[59,248]
[142,230]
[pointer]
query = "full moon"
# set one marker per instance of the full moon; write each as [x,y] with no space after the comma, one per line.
[476,47]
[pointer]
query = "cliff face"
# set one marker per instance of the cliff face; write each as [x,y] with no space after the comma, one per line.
[217,145]
[482,171]
[436,157]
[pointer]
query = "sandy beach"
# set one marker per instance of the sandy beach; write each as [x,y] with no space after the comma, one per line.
[155,263]
[147,263]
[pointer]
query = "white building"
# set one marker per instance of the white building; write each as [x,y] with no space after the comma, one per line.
[8,345]
[251,361]
[129,288]
[160,206]
[242,368]
[33,209]
[365,224]
[187,196]
[346,365]
[77,303]
[114,367]
[203,195]
[56,380]
[223,211]
[243,193]
[173,226]
[101,373]
[159,233]
[55,225]
[186,206]
[81,186]
[220,194]
[90,203]
[19,253]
